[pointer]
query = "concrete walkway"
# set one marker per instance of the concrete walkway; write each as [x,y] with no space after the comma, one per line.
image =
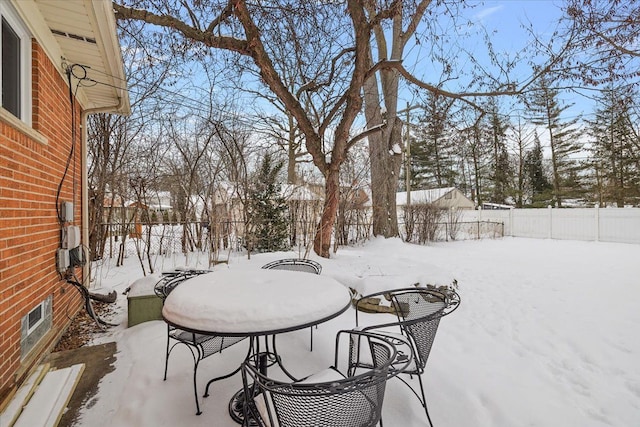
[99,360]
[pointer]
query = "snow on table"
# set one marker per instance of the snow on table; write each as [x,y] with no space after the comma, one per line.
[254,301]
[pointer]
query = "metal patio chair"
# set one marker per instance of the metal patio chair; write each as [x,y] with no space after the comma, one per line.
[329,398]
[418,311]
[296,264]
[201,346]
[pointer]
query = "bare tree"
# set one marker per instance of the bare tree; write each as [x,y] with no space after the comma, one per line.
[235,151]
[521,139]
[115,141]
[326,102]
[245,27]
[474,143]
[606,34]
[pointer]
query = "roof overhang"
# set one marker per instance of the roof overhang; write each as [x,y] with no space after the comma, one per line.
[82,32]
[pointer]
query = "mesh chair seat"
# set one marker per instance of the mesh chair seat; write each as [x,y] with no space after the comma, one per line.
[419,311]
[201,346]
[206,344]
[327,399]
[404,361]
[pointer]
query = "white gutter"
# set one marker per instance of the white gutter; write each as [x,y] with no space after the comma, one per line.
[84,151]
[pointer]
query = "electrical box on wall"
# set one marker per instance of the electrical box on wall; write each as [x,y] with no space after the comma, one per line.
[62,260]
[67,211]
[70,236]
[76,257]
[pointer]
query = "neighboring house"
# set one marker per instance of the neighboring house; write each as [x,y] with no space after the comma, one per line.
[160,201]
[496,206]
[301,192]
[117,211]
[43,165]
[445,198]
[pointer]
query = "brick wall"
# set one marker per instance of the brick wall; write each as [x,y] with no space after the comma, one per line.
[30,173]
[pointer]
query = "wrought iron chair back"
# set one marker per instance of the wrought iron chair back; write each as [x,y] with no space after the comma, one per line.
[327,399]
[419,311]
[171,279]
[295,264]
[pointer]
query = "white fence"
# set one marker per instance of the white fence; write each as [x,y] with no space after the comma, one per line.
[620,225]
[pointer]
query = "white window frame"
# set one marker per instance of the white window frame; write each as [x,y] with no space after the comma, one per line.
[17,25]
[32,328]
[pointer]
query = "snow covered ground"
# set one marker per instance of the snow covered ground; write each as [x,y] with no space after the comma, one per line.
[548,334]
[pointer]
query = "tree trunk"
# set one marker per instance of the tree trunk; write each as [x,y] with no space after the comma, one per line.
[384,157]
[385,148]
[385,169]
[322,241]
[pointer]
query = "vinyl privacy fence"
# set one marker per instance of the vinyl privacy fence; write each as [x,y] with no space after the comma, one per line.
[621,225]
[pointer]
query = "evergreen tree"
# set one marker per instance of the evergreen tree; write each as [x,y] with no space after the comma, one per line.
[269,208]
[546,111]
[538,183]
[477,147]
[502,171]
[614,155]
[432,159]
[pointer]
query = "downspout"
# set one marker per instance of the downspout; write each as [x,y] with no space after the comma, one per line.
[86,269]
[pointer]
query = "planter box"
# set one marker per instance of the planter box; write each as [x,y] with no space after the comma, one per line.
[143,304]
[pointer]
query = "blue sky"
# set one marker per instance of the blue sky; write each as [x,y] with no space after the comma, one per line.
[504,21]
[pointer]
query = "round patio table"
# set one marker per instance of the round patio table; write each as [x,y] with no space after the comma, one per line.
[254,303]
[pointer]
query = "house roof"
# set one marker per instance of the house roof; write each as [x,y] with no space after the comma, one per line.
[82,32]
[422,196]
[298,192]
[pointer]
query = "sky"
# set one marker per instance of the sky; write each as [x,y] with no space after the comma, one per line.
[505,23]
[502,20]
[508,24]
[546,335]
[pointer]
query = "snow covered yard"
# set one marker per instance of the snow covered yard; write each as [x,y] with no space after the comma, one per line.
[547,335]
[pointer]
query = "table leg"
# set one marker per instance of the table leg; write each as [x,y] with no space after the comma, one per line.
[262,362]
[237,409]
[261,359]
[238,403]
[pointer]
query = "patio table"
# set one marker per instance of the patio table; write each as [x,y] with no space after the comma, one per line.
[254,303]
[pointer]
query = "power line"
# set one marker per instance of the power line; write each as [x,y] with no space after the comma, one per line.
[187,102]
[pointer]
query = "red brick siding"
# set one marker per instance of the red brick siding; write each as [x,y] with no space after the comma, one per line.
[30,173]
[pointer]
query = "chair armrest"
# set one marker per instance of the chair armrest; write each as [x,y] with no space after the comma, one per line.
[450,297]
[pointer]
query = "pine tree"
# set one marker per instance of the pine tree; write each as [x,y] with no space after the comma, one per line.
[538,183]
[502,173]
[546,111]
[269,208]
[432,158]
[614,157]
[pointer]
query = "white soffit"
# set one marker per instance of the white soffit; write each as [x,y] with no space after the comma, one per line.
[83,32]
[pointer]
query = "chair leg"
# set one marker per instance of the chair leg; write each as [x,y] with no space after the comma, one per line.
[311,342]
[222,377]
[195,384]
[166,359]
[424,400]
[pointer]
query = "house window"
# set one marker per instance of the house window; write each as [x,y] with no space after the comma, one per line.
[35,317]
[35,325]
[16,64]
